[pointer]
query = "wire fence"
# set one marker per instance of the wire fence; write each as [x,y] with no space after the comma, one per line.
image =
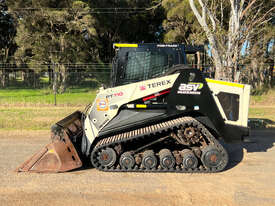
[52,86]
[45,84]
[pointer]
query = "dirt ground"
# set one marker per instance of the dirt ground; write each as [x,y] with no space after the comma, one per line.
[248,180]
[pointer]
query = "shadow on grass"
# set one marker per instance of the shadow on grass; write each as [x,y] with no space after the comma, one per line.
[259,123]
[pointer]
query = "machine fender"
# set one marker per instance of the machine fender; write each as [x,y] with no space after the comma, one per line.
[191,92]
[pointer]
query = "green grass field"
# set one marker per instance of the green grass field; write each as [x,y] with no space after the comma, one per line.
[263,107]
[267,99]
[40,97]
[30,109]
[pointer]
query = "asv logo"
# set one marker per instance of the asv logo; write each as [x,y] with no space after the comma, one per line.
[191,88]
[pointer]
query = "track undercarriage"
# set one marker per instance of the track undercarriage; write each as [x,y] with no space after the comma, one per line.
[179,145]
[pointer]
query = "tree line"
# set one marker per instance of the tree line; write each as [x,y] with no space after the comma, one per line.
[54,34]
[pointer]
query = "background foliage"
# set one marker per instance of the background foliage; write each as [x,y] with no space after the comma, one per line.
[73,39]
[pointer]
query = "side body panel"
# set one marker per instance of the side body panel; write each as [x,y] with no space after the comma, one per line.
[108,102]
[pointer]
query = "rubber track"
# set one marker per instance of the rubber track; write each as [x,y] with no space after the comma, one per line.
[159,128]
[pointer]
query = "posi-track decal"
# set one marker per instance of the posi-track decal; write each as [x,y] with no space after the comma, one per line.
[102,104]
[190,88]
[118,94]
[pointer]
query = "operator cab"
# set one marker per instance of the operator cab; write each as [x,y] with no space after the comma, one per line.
[139,62]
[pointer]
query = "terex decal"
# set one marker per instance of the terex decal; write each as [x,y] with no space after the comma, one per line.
[102,105]
[142,87]
[190,88]
[155,84]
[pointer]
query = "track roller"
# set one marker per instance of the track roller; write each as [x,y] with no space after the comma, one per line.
[167,160]
[211,157]
[127,160]
[107,157]
[149,160]
[189,160]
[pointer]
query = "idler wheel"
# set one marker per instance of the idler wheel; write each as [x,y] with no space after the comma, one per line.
[189,160]
[127,160]
[189,132]
[149,160]
[107,157]
[211,157]
[167,160]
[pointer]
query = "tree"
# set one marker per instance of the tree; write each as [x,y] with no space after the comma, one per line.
[245,17]
[55,34]
[260,59]
[180,24]
[7,45]
[125,21]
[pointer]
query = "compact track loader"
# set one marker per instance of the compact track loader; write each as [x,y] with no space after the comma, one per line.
[158,116]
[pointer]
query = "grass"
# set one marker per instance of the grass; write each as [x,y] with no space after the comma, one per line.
[38,97]
[32,118]
[29,109]
[263,113]
[267,99]
[33,109]
[263,107]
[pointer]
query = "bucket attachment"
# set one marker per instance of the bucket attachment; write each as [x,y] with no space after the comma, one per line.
[60,155]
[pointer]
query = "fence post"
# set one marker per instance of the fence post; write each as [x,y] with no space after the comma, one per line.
[54,84]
